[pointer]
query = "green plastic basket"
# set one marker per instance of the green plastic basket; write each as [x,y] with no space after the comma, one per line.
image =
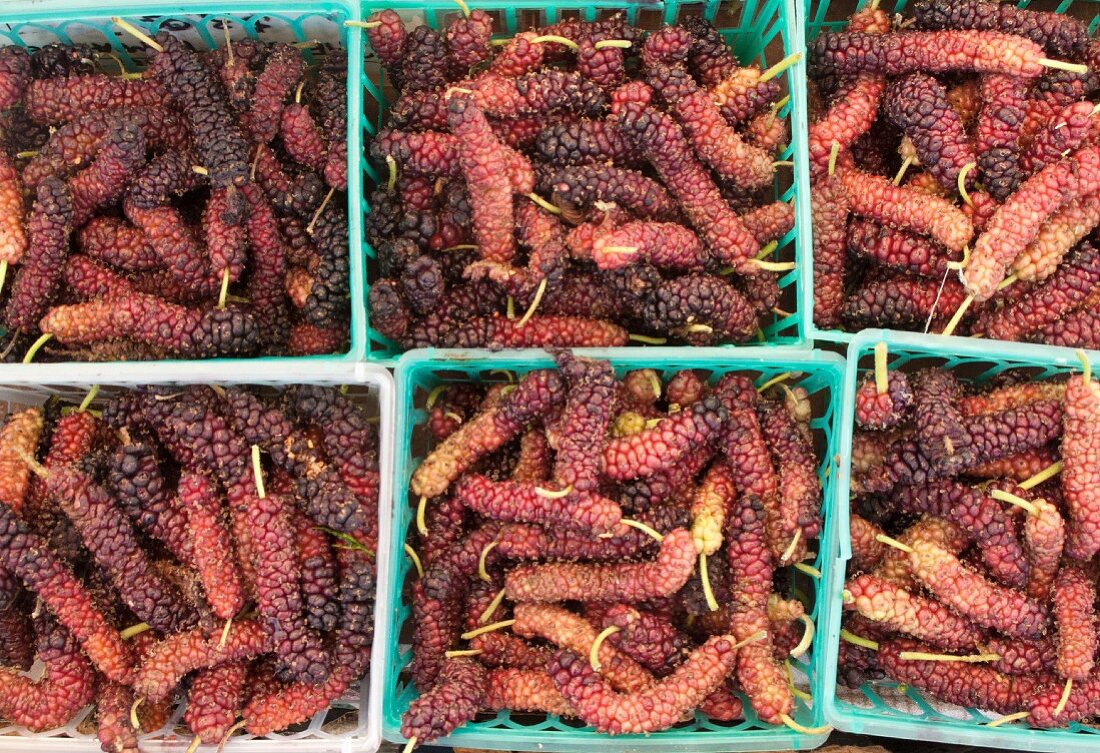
[825,15]
[764,29]
[877,708]
[418,373]
[32,23]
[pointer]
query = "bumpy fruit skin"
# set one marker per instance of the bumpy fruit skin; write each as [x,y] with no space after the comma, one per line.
[114,545]
[186,332]
[715,142]
[604,66]
[66,687]
[752,568]
[1019,657]
[1081,467]
[117,243]
[628,582]
[226,236]
[902,301]
[27,556]
[794,459]
[742,95]
[48,228]
[877,198]
[655,708]
[177,655]
[1068,131]
[215,699]
[1074,601]
[520,502]
[329,502]
[538,393]
[585,184]
[220,146]
[1061,293]
[662,446]
[268,302]
[211,544]
[666,148]
[997,133]
[13,238]
[112,715]
[1058,33]
[483,165]
[701,309]
[829,213]
[899,610]
[1017,222]
[850,116]
[585,142]
[969,593]
[1057,236]
[709,503]
[175,244]
[584,421]
[18,439]
[918,105]
[388,38]
[648,638]
[867,552]
[301,138]
[134,479]
[280,74]
[982,517]
[515,689]
[972,685]
[897,249]
[1083,702]
[882,411]
[58,100]
[573,633]
[710,59]
[455,699]
[929,51]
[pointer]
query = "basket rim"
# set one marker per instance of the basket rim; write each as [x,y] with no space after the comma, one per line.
[420,362]
[794,333]
[941,728]
[33,12]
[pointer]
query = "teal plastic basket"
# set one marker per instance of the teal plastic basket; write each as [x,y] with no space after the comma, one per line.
[877,708]
[829,15]
[767,30]
[32,23]
[419,372]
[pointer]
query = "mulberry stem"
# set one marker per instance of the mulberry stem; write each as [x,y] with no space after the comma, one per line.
[136,32]
[594,652]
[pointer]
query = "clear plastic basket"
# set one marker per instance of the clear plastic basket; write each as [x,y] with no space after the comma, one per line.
[33,23]
[877,708]
[352,724]
[764,29]
[831,15]
[419,372]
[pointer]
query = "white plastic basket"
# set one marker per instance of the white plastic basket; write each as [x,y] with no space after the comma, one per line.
[352,725]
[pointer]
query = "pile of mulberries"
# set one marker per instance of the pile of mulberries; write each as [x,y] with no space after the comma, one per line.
[955,173]
[156,549]
[196,209]
[975,525]
[614,549]
[583,184]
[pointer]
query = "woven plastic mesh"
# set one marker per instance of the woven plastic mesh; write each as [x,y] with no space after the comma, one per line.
[418,374]
[344,726]
[827,15]
[757,30]
[879,707]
